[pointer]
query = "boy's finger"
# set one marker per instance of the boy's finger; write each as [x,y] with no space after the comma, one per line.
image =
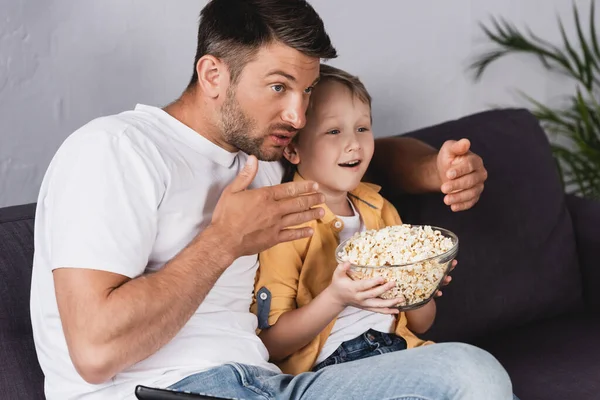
[376,292]
[380,303]
[368,284]
[382,310]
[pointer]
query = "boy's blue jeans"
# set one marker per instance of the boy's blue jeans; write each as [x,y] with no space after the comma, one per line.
[369,344]
[435,372]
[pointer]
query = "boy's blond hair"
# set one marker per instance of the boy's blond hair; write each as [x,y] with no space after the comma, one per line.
[328,73]
[357,88]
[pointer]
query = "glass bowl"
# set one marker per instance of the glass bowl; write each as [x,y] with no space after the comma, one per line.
[417,281]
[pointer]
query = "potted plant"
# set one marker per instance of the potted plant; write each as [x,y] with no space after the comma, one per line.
[574,127]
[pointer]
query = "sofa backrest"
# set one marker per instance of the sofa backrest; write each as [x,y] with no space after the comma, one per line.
[20,374]
[517,255]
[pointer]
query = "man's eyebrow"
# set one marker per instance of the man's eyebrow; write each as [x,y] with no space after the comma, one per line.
[316,81]
[281,73]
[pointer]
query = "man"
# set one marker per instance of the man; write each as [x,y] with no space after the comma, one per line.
[149,222]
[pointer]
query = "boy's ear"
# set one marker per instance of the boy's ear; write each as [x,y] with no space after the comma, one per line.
[291,154]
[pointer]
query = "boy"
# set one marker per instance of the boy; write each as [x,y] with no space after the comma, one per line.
[308,319]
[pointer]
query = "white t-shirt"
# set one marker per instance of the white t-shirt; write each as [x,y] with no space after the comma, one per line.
[125,194]
[353,321]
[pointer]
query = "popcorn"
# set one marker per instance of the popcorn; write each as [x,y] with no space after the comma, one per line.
[379,253]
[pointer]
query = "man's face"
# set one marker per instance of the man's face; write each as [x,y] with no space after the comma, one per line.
[267,106]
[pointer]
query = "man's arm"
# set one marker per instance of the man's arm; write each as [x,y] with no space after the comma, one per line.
[412,166]
[111,322]
[405,163]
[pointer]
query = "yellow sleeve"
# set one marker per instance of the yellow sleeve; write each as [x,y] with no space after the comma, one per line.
[390,214]
[276,283]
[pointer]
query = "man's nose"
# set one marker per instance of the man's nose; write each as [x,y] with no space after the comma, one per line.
[295,114]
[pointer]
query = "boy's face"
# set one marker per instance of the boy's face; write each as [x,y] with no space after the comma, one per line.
[336,145]
[265,109]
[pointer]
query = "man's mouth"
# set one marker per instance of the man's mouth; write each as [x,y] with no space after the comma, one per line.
[351,164]
[282,139]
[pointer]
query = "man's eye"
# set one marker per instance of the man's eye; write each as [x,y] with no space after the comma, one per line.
[308,90]
[278,88]
[333,132]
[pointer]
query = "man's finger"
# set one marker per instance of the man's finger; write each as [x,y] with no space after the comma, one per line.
[299,204]
[464,206]
[288,235]
[464,196]
[464,182]
[293,189]
[461,147]
[463,165]
[245,177]
[302,217]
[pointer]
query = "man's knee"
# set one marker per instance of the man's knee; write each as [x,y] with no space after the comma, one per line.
[477,372]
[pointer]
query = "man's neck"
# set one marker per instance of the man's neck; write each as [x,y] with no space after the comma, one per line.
[191,111]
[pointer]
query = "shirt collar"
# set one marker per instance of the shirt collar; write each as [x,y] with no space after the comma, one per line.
[366,194]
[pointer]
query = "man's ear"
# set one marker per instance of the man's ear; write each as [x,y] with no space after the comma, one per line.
[291,153]
[213,76]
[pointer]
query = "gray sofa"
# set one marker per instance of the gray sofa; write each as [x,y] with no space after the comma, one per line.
[525,287]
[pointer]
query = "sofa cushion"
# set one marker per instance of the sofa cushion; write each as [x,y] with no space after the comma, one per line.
[517,256]
[20,374]
[552,360]
[586,223]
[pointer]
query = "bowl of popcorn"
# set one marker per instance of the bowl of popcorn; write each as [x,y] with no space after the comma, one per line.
[416,257]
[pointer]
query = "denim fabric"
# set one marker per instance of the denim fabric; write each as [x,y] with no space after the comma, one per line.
[369,344]
[449,371]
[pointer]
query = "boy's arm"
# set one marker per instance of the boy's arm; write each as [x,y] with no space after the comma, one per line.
[420,320]
[285,328]
[297,328]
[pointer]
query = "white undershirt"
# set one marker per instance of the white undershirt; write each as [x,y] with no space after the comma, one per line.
[353,322]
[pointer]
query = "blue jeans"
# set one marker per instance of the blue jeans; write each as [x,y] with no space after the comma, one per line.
[436,372]
[369,344]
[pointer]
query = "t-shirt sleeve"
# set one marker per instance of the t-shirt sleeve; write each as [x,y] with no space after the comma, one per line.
[100,201]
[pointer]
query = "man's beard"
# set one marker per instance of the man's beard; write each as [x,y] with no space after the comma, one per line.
[239,130]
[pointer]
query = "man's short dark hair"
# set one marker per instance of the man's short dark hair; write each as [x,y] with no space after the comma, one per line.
[234,30]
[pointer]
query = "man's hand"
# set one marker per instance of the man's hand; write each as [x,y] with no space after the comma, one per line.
[257,219]
[462,174]
[364,294]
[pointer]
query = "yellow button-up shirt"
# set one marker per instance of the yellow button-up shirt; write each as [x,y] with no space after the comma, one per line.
[292,274]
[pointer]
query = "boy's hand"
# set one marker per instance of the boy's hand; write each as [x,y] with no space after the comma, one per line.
[361,294]
[447,279]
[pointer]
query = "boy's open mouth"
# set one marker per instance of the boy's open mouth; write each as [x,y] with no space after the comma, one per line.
[350,164]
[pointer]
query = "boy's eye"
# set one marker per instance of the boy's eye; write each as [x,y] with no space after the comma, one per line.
[363,129]
[278,88]
[333,132]
[308,90]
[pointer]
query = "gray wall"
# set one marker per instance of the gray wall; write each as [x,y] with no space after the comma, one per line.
[64,62]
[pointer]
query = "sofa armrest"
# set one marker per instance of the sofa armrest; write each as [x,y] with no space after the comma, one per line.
[585,214]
